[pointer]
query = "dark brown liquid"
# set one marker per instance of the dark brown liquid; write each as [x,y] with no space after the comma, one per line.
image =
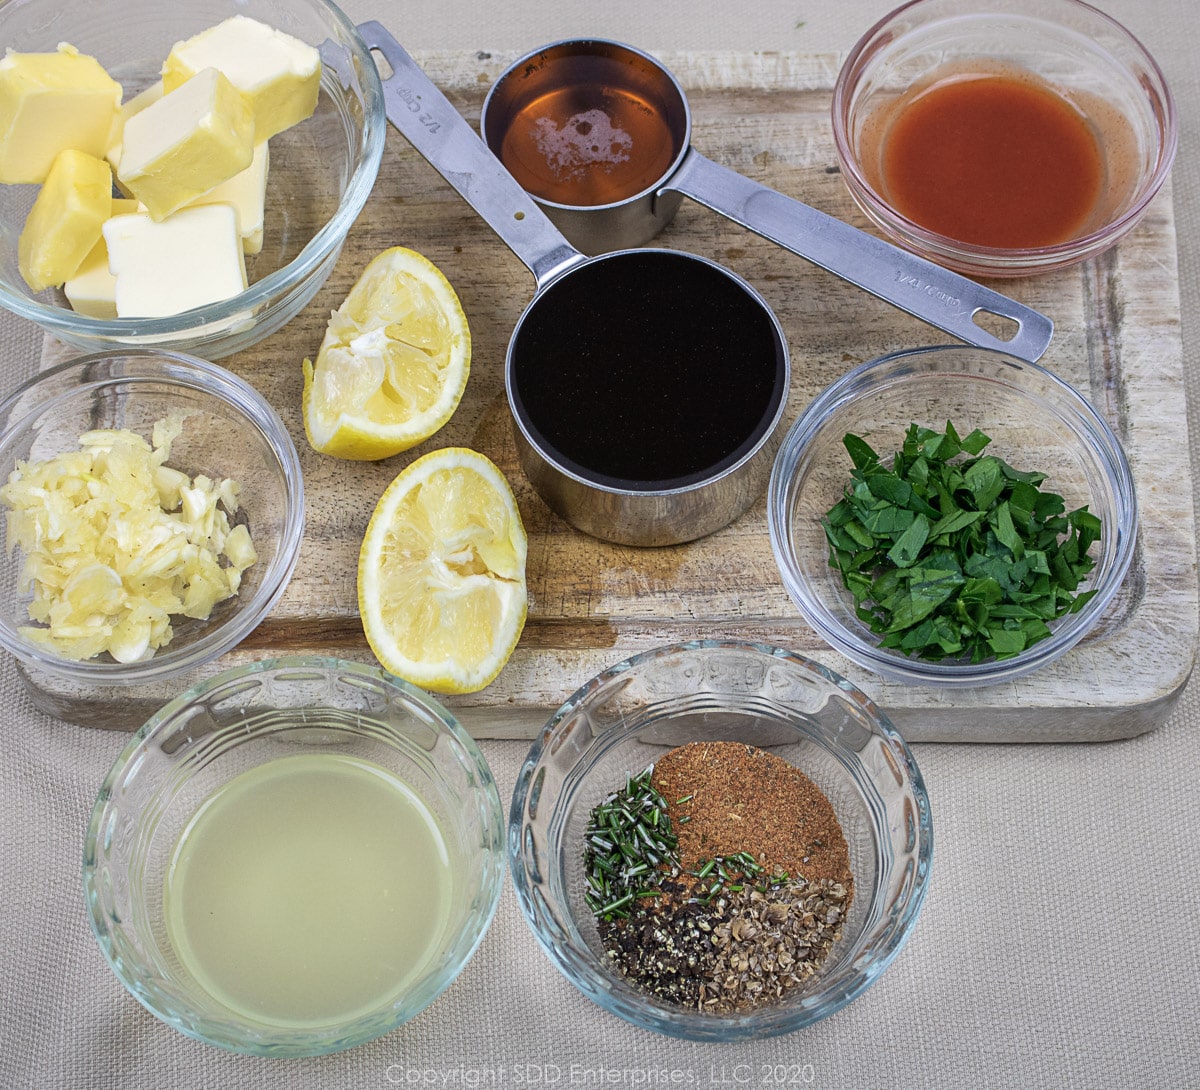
[587,144]
[647,369]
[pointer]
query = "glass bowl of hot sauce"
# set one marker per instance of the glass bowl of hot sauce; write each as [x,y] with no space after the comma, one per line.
[1003,137]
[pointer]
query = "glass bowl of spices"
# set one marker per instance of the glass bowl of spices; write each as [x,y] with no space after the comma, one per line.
[952,516]
[1003,137]
[372,873]
[720,841]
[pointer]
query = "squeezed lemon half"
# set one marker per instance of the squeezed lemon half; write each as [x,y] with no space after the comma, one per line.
[441,573]
[393,364]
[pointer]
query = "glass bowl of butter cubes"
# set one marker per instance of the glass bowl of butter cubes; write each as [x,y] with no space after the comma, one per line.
[182,175]
[153,508]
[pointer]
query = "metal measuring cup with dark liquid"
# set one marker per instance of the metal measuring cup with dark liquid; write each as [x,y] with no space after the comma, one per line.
[647,386]
[590,130]
[625,422]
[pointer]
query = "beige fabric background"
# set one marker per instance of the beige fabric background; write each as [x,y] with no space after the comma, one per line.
[1060,943]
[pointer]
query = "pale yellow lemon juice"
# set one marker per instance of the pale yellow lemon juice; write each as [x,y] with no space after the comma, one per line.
[309,890]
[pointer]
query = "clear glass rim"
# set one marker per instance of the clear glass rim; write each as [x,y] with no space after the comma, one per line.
[1089,427]
[997,261]
[266,1040]
[579,965]
[212,380]
[71,325]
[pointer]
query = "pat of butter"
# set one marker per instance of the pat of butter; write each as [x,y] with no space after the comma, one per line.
[65,220]
[247,192]
[279,75]
[192,139]
[93,289]
[191,258]
[50,102]
[127,110]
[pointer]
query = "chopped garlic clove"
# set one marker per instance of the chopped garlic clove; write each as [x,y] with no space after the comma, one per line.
[115,542]
[105,438]
[130,640]
[240,549]
[94,590]
[170,484]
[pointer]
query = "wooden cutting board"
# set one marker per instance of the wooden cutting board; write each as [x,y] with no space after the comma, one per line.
[592,603]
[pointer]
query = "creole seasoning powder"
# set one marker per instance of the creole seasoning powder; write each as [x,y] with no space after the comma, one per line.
[741,798]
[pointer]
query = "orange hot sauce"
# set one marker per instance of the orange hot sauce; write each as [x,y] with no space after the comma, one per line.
[993,160]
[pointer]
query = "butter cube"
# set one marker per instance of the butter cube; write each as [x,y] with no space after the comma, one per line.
[50,102]
[190,140]
[127,110]
[279,75]
[93,289]
[247,192]
[65,220]
[191,258]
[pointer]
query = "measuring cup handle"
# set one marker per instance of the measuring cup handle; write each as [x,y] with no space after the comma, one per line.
[425,117]
[931,293]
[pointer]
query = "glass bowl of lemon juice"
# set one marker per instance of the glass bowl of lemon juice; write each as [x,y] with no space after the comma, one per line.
[294,857]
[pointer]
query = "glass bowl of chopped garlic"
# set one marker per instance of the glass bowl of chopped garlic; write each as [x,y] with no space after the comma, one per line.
[179,176]
[154,507]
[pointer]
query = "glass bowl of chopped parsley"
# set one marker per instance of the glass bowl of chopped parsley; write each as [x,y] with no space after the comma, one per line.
[952,516]
[720,840]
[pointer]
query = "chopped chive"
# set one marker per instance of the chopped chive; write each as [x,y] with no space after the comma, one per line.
[620,902]
[628,846]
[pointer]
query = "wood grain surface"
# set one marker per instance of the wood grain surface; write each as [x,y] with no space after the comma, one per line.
[591,603]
